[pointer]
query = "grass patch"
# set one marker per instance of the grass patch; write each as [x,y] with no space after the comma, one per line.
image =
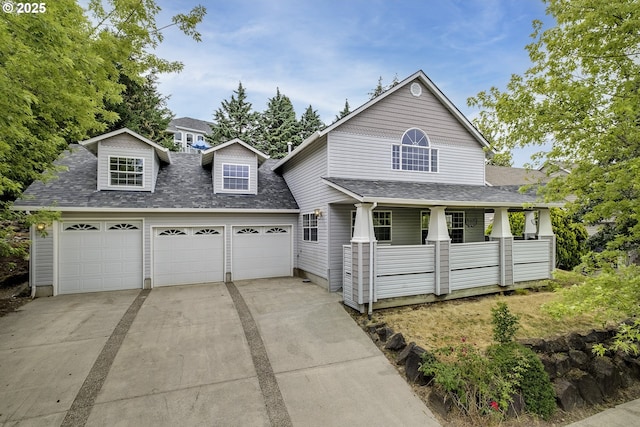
[441,324]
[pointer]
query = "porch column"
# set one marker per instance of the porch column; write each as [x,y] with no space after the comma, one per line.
[439,237]
[363,246]
[545,232]
[501,232]
[529,225]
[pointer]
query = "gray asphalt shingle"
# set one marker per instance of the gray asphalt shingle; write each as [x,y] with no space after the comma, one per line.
[184,184]
[428,191]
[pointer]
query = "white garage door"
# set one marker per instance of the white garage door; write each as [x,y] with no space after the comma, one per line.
[261,252]
[99,256]
[185,255]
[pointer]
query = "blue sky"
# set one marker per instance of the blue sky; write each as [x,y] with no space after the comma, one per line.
[321,52]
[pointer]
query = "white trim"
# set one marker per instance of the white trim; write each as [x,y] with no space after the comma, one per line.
[162,152]
[429,148]
[291,243]
[155,210]
[343,190]
[317,227]
[56,259]
[373,212]
[207,155]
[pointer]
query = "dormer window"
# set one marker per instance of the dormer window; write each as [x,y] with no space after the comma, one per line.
[235,177]
[414,153]
[126,171]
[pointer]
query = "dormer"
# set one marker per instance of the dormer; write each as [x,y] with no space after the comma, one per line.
[234,167]
[127,161]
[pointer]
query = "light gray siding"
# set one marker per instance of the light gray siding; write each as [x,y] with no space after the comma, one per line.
[368,157]
[125,145]
[361,148]
[340,229]
[42,259]
[237,155]
[303,176]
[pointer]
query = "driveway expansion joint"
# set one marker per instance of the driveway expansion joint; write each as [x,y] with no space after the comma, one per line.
[276,409]
[82,405]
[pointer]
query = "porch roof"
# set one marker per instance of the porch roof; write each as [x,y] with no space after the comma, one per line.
[433,194]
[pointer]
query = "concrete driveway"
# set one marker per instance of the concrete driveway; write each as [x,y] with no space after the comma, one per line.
[255,353]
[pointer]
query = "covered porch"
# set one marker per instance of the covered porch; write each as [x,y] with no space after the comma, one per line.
[451,260]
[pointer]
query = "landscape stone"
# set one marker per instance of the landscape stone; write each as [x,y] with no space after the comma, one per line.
[439,402]
[587,386]
[575,341]
[606,375]
[549,364]
[384,333]
[563,364]
[535,344]
[402,356]
[579,359]
[558,345]
[516,406]
[567,395]
[412,366]
[396,342]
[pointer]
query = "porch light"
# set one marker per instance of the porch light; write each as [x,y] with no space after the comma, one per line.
[41,226]
[317,213]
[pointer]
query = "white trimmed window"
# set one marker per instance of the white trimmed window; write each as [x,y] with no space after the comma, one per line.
[310,227]
[414,153]
[126,171]
[177,136]
[381,225]
[235,177]
[189,139]
[455,225]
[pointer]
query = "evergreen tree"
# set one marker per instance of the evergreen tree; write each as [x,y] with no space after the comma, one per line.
[279,126]
[378,90]
[309,123]
[143,110]
[346,110]
[235,119]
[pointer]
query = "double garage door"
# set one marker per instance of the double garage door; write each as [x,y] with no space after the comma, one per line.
[108,255]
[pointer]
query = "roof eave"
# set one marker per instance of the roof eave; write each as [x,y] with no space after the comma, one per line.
[162,152]
[151,210]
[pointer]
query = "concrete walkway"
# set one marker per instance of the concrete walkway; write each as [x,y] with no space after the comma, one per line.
[254,353]
[625,415]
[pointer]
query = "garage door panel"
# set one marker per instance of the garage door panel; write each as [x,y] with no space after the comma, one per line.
[261,251]
[182,256]
[94,258]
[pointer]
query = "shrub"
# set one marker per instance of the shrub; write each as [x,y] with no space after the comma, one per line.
[521,363]
[505,324]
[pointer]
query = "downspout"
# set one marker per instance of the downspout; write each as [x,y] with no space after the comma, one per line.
[371,266]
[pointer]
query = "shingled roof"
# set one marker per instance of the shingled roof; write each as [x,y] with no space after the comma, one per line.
[183,185]
[189,123]
[429,193]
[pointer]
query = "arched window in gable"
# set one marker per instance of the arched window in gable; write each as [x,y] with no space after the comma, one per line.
[414,153]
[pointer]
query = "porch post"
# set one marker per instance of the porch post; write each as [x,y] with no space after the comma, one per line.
[363,246]
[545,232]
[529,225]
[501,232]
[439,237]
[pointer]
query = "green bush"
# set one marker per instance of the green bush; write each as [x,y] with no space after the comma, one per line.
[513,359]
[505,324]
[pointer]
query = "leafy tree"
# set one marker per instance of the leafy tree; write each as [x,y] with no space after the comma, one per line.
[58,72]
[345,111]
[279,126]
[309,123]
[581,95]
[501,159]
[235,119]
[571,236]
[143,110]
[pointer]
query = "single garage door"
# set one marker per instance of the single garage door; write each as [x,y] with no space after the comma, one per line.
[260,251]
[99,256]
[185,255]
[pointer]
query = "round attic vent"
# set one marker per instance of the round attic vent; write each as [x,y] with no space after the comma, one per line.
[416,89]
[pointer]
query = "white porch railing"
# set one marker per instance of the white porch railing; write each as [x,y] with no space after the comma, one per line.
[531,260]
[474,264]
[347,281]
[404,270]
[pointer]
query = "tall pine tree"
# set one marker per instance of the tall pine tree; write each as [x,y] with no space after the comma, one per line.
[346,110]
[279,126]
[309,123]
[235,119]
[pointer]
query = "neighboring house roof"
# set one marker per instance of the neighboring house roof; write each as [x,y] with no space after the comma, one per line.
[187,123]
[207,155]
[504,175]
[92,144]
[183,185]
[424,80]
[423,194]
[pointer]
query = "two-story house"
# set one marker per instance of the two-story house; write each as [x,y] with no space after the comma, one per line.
[188,132]
[387,203]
